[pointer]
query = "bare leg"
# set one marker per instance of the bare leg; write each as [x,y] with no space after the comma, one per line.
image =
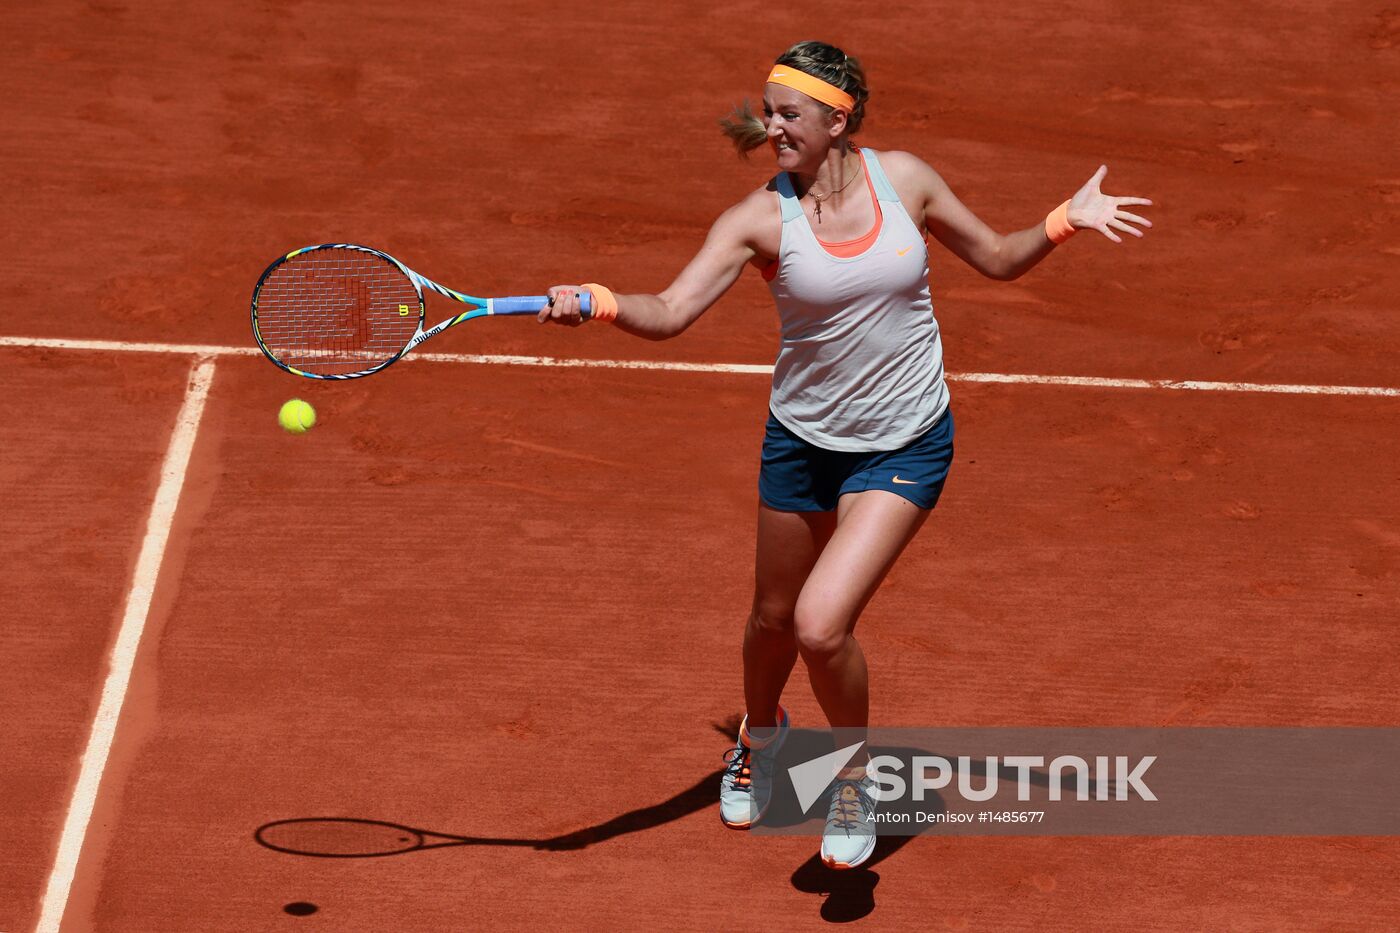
[872,530]
[788,546]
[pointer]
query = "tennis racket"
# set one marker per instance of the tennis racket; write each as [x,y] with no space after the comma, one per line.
[340,311]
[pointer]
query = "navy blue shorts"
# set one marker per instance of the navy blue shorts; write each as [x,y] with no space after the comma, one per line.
[800,477]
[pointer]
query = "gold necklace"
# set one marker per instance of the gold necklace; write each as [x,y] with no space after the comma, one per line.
[819,198]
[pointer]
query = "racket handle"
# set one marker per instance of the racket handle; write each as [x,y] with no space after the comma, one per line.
[531,304]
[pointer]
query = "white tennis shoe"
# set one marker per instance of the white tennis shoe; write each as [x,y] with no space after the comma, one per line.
[746,787]
[849,836]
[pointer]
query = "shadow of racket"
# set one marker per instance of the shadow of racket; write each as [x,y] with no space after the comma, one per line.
[351,837]
[348,837]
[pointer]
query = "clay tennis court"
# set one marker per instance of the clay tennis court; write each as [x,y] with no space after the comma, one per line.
[499,595]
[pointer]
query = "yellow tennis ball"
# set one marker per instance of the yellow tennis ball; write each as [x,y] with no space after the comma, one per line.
[296,416]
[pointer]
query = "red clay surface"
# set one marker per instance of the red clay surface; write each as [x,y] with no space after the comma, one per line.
[441,606]
[81,442]
[371,624]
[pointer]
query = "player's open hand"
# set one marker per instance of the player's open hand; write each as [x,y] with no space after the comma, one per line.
[1091,209]
[563,307]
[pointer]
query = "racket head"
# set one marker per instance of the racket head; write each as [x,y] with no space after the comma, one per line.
[339,837]
[336,311]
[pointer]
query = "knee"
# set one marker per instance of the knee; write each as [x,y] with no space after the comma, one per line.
[819,637]
[770,620]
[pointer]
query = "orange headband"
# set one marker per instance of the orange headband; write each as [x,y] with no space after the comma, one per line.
[815,88]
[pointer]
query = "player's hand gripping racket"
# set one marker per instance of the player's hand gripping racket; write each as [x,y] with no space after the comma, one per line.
[339,311]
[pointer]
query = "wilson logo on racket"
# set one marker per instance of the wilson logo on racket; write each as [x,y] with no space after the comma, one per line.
[340,311]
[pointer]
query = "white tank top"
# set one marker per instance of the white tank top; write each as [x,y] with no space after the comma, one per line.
[860,367]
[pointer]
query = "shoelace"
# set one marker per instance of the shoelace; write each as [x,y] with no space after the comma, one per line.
[848,812]
[737,767]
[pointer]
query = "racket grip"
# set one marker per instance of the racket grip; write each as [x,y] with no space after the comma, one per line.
[531,304]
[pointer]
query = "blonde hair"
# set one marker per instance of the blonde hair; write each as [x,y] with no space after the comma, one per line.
[820,60]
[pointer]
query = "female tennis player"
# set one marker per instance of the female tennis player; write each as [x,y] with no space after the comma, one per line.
[859,437]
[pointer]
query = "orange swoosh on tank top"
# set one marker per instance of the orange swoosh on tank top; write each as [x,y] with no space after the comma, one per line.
[901,252]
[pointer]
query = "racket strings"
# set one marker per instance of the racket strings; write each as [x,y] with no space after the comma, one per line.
[337,311]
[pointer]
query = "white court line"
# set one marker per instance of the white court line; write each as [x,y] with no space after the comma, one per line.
[1097,382]
[123,657]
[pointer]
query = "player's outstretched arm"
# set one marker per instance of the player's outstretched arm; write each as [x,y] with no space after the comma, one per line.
[708,276]
[1009,256]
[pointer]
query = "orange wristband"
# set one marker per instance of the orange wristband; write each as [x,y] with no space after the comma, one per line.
[604,303]
[1057,226]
